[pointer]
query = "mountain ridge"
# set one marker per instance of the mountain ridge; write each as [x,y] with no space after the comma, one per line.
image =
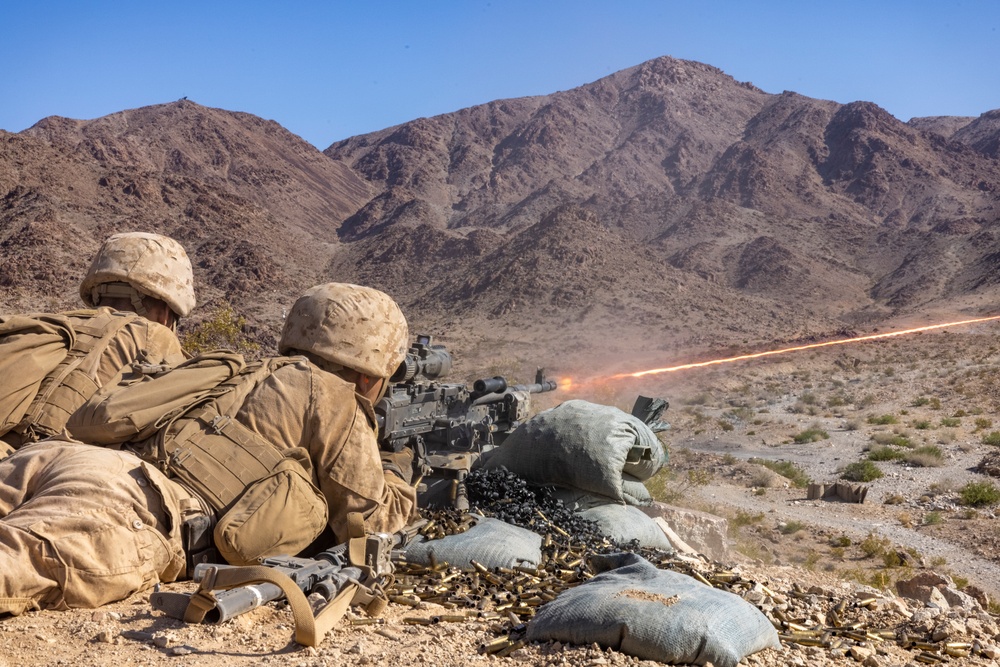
[667,202]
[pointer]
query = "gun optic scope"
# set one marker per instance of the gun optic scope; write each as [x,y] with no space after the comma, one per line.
[423,360]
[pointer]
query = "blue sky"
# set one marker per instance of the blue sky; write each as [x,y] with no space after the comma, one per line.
[330,70]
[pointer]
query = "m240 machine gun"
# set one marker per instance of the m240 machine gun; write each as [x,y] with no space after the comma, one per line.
[448,426]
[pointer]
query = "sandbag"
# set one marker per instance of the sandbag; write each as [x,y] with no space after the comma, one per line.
[625,523]
[654,614]
[491,542]
[621,523]
[582,445]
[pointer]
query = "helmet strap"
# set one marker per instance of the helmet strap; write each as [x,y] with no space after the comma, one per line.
[118,291]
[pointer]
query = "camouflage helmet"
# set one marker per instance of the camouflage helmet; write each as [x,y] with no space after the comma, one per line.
[152,264]
[356,327]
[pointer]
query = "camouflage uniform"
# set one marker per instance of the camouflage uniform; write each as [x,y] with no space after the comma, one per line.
[81,526]
[132,265]
[322,413]
[139,339]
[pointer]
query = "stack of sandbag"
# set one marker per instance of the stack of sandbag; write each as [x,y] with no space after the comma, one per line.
[598,457]
[653,614]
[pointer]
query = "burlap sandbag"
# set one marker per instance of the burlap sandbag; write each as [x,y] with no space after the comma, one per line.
[653,614]
[491,543]
[584,446]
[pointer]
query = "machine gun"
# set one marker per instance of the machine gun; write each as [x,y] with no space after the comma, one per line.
[334,580]
[447,426]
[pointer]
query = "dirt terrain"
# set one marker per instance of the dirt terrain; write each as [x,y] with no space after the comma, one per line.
[722,418]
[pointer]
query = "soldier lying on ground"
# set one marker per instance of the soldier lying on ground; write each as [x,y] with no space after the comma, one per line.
[138,286]
[82,526]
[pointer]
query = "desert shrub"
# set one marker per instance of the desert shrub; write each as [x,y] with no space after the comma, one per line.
[667,486]
[808,398]
[744,519]
[979,494]
[837,401]
[861,471]
[951,422]
[894,439]
[786,469]
[983,423]
[703,398]
[992,438]
[811,435]
[885,454]
[791,527]
[883,420]
[865,401]
[946,485]
[933,518]
[895,499]
[223,329]
[920,401]
[928,456]
[726,425]
[873,545]
[922,424]
[841,542]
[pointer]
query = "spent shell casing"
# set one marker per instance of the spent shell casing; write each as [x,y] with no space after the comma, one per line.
[404,599]
[957,652]
[925,646]
[492,647]
[367,621]
[451,618]
[507,650]
[417,620]
[702,579]
[929,658]
[958,645]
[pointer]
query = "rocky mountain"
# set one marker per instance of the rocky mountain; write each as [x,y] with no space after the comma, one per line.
[661,209]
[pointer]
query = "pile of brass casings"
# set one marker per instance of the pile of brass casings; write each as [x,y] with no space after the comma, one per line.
[513,595]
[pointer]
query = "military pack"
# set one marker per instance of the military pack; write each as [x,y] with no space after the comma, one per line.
[49,364]
[183,420]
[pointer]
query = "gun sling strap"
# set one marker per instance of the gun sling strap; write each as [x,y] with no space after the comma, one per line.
[309,629]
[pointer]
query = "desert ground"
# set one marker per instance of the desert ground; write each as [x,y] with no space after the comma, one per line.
[924,405]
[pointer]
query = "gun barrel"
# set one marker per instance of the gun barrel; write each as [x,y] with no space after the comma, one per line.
[493,385]
[537,388]
[230,604]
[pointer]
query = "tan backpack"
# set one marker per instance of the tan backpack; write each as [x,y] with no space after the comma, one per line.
[30,348]
[183,420]
[56,360]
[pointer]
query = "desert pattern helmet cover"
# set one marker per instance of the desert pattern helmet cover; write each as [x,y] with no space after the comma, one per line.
[357,327]
[154,265]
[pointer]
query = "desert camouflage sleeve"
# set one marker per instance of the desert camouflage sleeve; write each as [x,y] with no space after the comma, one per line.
[155,342]
[301,406]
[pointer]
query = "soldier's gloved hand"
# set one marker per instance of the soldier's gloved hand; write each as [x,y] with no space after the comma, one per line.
[399,463]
